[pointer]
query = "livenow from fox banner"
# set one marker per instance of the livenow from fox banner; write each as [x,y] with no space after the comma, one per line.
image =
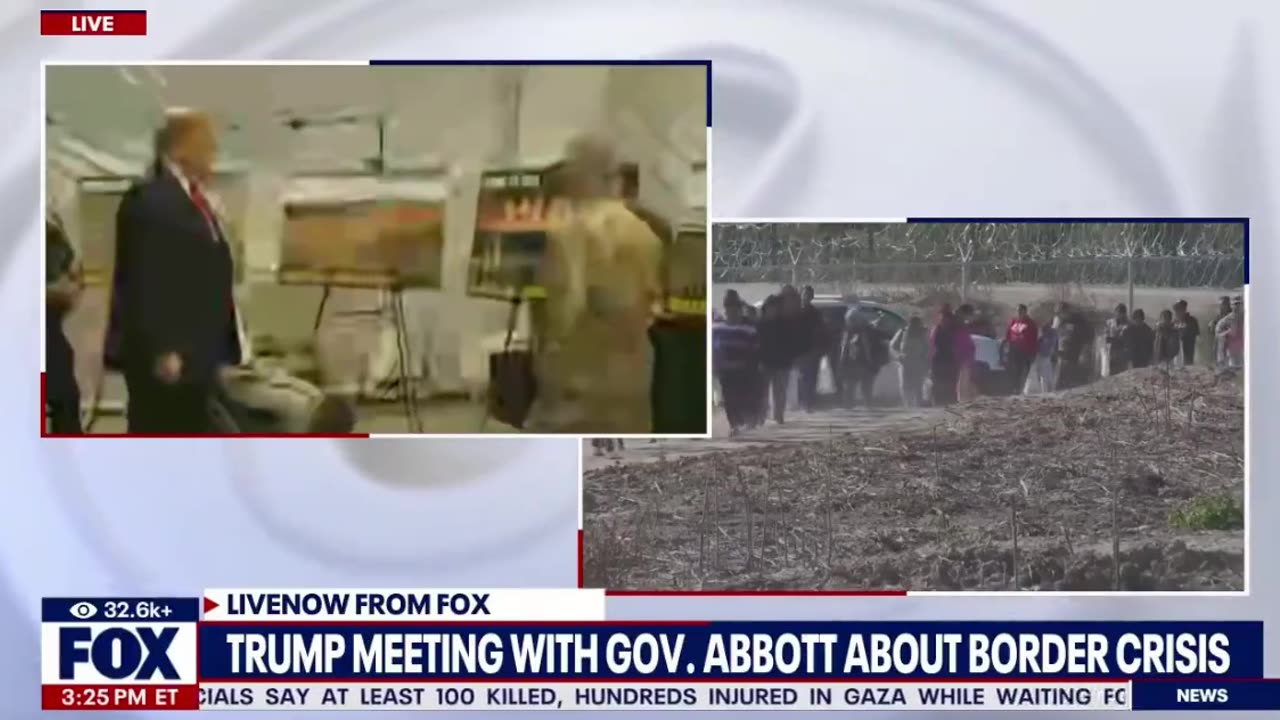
[376,248]
[951,405]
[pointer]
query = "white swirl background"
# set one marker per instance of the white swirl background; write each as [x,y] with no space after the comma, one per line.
[823,108]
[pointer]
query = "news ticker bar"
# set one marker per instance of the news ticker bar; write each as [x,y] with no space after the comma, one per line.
[1248,695]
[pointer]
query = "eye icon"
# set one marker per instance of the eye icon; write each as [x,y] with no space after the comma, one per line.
[84,610]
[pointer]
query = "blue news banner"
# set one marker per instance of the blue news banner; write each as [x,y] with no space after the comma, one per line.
[1214,665]
[156,654]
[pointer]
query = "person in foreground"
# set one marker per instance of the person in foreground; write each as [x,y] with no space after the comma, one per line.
[943,374]
[173,309]
[1224,310]
[1188,328]
[1118,337]
[1041,376]
[865,352]
[776,356]
[1075,344]
[1023,339]
[736,363]
[1168,346]
[1229,333]
[951,353]
[63,285]
[174,328]
[966,351]
[814,345]
[1143,338]
[602,273]
[910,347]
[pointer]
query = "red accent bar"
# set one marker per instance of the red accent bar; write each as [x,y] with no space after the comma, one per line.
[756,593]
[132,696]
[455,623]
[244,436]
[90,22]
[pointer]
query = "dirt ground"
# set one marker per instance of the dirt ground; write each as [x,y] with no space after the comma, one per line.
[1133,483]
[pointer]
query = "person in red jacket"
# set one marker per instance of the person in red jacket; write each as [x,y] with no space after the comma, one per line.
[1023,340]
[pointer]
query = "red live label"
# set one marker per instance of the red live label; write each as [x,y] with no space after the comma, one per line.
[88,22]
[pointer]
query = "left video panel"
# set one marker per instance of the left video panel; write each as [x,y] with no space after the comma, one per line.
[376,249]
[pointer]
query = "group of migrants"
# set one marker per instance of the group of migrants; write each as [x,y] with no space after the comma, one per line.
[755,352]
[1132,343]
[1056,356]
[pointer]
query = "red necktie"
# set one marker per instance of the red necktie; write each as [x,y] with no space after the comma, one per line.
[202,203]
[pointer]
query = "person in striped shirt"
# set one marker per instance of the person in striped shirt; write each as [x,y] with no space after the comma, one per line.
[735,359]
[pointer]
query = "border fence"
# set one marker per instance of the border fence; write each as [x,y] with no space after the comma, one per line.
[965,256]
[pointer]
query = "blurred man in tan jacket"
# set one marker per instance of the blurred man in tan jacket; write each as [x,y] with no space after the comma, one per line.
[602,274]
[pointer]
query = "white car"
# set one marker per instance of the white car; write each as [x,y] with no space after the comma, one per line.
[990,375]
[989,352]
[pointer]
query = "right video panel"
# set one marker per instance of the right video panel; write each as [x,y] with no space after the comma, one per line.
[950,406]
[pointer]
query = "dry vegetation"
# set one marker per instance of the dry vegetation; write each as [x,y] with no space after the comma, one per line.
[1133,483]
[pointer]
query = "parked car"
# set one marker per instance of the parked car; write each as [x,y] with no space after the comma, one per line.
[890,322]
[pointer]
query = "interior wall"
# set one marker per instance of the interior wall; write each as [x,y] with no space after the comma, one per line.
[557,103]
[463,124]
[660,117]
[60,196]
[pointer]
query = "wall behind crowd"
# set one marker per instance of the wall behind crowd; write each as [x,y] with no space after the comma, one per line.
[456,120]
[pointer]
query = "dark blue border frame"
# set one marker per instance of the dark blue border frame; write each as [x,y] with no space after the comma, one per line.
[510,63]
[1170,220]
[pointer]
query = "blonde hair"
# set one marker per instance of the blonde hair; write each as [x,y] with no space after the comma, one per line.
[591,162]
[178,122]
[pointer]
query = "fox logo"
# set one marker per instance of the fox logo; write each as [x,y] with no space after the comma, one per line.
[118,653]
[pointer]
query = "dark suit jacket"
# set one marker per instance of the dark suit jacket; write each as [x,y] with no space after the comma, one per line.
[172,285]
